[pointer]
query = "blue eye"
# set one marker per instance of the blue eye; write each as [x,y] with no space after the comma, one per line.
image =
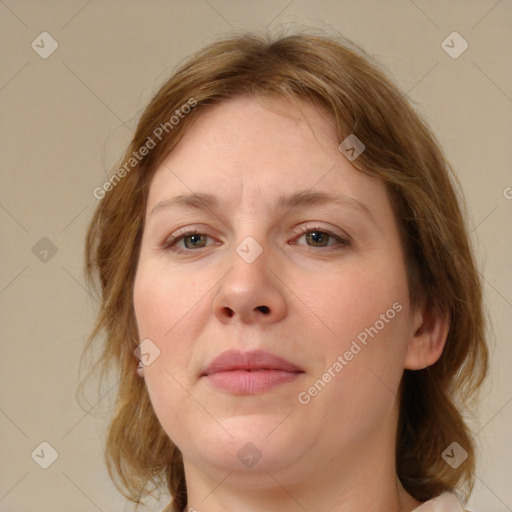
[314,237]
[191,240]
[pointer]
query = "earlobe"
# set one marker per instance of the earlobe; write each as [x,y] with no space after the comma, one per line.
[430,330]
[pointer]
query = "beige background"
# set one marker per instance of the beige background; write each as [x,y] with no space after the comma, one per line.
[64,121]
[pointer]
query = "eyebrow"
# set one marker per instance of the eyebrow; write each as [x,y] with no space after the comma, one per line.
[293,201]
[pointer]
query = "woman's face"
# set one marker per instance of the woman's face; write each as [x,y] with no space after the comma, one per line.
[293,254]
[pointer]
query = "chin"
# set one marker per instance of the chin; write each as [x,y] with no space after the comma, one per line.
[255,442]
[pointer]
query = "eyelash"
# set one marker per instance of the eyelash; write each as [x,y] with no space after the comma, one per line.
[170,243]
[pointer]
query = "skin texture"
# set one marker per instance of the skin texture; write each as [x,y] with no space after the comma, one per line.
[335,453]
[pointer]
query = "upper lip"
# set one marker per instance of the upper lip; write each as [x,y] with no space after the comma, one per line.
[250,361]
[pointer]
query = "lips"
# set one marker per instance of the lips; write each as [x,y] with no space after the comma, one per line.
[249,372]
[249,361]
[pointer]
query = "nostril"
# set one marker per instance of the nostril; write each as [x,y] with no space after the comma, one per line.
[229,312]
[264,309]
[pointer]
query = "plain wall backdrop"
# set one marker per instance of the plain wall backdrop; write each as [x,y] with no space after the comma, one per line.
[69,101]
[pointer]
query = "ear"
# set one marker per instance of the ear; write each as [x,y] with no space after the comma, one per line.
[430,330]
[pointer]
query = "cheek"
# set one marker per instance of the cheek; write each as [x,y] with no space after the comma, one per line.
[364,312]
[165,301]
[352,301]
[164,309]
[357,384]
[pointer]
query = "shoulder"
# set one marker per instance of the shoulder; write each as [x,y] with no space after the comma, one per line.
[446,502]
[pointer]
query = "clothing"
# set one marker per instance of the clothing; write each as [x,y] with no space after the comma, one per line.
[446,502]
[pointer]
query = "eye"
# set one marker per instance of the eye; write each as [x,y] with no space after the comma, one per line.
[187,241]
[314,236]
[320,237]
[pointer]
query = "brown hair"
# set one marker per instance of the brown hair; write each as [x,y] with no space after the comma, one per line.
[401,150]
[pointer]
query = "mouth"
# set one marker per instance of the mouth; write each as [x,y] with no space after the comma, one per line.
[248,373]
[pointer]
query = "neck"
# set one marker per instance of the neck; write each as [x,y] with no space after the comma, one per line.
[357,479]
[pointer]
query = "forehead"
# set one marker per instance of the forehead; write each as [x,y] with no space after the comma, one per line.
[258,149]
[240,125]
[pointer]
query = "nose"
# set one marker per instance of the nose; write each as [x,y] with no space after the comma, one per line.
[250,293]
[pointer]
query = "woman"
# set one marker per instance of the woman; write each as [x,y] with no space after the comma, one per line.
[288,290]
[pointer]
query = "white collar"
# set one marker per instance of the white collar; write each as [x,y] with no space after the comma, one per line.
[446,502]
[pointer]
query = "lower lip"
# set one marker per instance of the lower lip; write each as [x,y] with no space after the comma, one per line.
[243,382]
